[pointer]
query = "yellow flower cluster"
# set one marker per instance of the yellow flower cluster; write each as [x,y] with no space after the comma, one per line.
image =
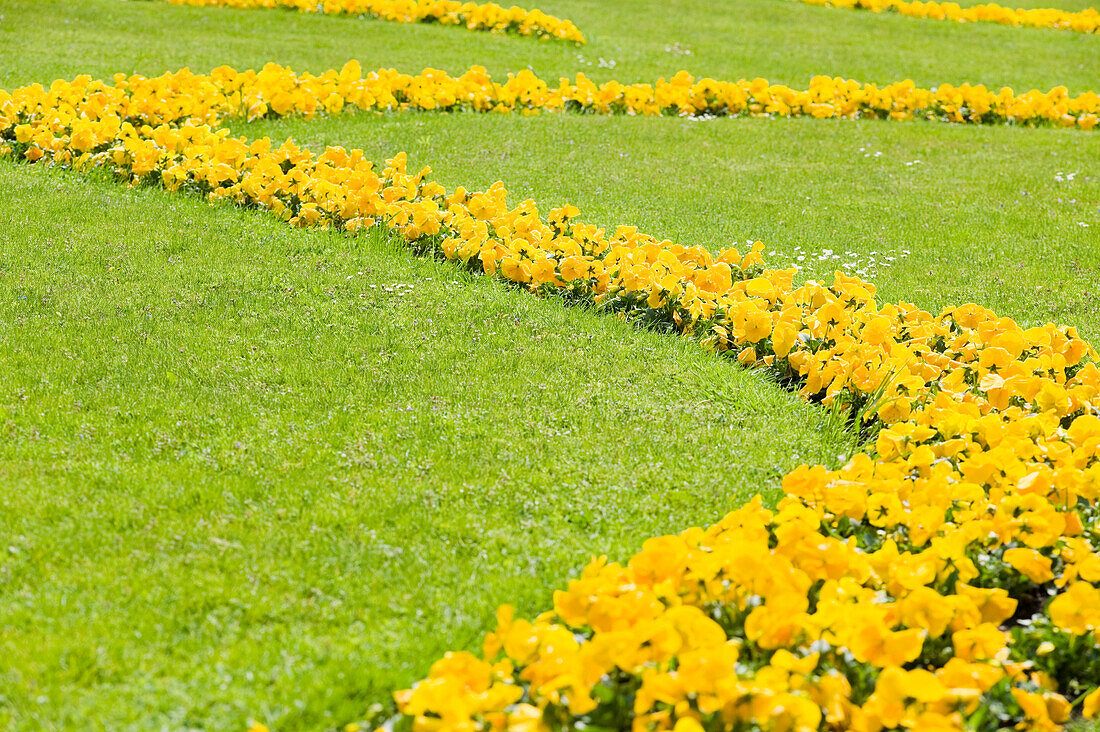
[474,16]
[946,578]
[1084,21]
[277,91]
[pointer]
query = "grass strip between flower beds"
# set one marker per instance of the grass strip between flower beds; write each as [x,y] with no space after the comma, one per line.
[945,578]
[473,16]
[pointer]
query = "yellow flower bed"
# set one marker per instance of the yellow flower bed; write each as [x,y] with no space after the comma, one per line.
[946,578]
[277,90]
[1084,21]
[474,16]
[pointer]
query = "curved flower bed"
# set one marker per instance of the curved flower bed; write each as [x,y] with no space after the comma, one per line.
[1084,21]
[471,15]
[948,577]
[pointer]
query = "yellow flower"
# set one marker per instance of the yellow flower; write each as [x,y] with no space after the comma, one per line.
[687,724]
[982,642]
[1091,707]
[1077,609]
[1030,563]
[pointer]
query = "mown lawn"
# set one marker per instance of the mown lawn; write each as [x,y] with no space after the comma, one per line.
[252,472]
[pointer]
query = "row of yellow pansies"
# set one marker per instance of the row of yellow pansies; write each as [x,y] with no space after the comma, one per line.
[277,90]
[474,16]
[947,578]
[1084,21]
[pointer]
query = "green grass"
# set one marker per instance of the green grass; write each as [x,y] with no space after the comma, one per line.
[783,40]
[256,472]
